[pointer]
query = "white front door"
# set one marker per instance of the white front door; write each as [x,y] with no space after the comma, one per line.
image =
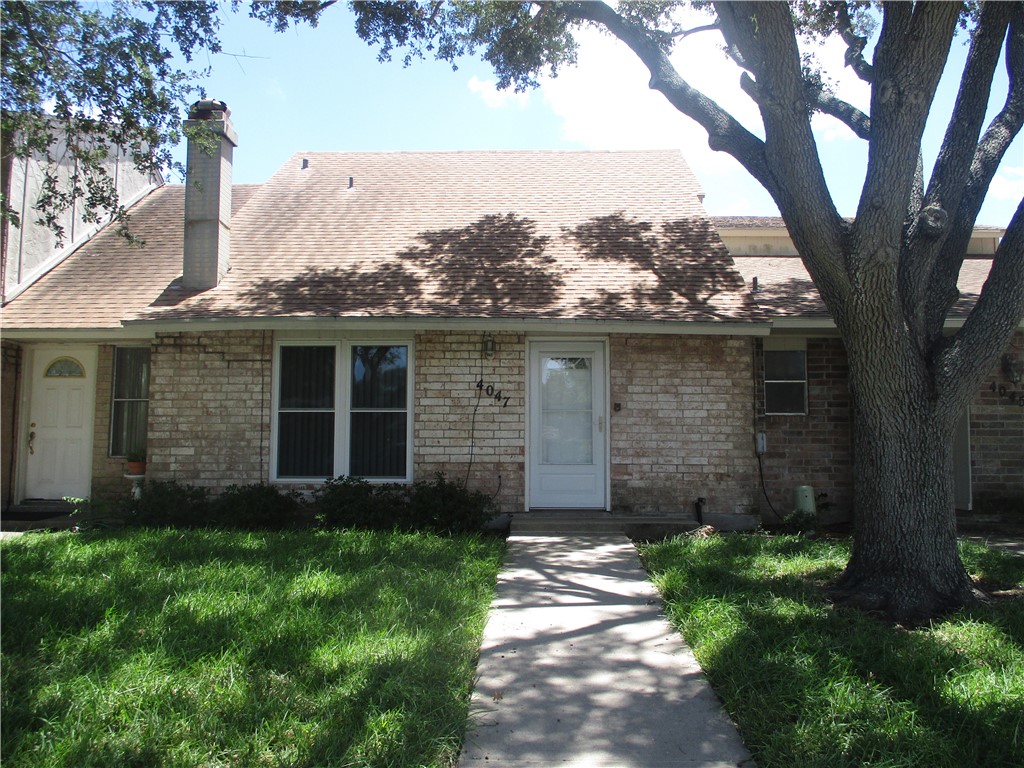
[567,452]
[57,446]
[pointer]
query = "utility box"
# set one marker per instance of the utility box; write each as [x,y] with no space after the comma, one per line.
[803,500]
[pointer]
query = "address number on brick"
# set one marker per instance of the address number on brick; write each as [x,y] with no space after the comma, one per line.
[490,391]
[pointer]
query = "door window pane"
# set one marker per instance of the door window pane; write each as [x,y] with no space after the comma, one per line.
[567,405]
[130,403]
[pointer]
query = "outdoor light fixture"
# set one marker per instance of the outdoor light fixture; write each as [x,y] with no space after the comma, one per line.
[488,346]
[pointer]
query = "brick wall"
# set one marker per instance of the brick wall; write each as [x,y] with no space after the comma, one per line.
[10,384]
[816,449]
[209,408]
[683,428]
[460,428]
[997,440]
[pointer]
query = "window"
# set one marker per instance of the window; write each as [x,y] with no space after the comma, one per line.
[354,423]
[65,367]
[130,401]
[785,377]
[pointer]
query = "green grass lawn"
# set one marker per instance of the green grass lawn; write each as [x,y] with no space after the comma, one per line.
[217,648]
[812,686]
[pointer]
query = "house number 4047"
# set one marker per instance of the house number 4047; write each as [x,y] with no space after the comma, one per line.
[490,391]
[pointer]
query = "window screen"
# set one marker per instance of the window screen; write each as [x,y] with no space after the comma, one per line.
[306,412]
[379,413]
[785,382]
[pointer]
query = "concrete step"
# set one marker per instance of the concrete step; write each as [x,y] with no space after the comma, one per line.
[595,522]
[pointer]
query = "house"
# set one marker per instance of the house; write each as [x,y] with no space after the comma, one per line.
[561,330]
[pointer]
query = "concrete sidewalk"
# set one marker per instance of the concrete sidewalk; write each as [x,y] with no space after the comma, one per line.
[579,667]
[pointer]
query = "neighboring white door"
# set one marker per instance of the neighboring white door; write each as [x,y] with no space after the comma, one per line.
[567,454]
[57,446]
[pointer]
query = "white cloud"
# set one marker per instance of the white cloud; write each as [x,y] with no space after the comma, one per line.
[494,98]
[1007,184]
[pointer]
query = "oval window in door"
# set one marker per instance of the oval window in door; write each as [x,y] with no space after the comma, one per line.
[65,368]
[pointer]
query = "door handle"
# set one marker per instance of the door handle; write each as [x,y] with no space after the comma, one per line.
[31,439]
[600,424]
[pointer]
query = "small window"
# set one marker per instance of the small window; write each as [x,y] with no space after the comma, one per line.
[785,381]
[65,367]
[130,402]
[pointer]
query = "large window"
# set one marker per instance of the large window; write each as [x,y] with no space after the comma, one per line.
[130,402]
[785,377]
[342,409]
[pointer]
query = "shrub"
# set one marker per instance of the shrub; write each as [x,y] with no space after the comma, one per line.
[350,502]
[445,506]
[438,505]
[170,503]
[256,506]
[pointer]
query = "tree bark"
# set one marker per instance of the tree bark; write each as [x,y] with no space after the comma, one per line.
[905,563]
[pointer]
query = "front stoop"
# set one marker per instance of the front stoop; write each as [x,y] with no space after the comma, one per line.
[590,522]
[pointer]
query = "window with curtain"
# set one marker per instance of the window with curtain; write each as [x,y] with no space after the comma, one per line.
[130,401]
[353,424]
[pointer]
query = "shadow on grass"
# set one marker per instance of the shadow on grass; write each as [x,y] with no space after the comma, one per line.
[267,647]
[810,685]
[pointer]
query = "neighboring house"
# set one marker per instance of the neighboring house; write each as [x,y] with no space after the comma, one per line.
[562,330]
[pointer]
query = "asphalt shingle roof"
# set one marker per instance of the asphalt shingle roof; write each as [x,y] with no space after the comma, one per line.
[574,235]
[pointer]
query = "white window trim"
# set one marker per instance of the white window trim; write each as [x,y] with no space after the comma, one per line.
[784,344]
[343,402]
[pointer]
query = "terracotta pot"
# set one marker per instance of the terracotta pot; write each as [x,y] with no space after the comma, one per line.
[136,467]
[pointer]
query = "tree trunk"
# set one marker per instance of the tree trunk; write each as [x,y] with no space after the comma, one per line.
[905,563]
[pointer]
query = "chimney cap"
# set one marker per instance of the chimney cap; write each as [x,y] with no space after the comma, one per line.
[208,109]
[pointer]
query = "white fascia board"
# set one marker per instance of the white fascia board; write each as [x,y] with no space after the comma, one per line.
[97,335]
[438,324]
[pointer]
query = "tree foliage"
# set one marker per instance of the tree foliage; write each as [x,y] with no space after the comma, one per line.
[82,81]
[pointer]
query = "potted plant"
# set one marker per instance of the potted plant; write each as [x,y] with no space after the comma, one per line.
[136,461]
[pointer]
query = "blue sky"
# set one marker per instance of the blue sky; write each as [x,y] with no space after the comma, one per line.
[323,89]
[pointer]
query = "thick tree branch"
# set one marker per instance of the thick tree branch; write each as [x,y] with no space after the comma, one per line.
[764,34]
[971,352]
[926,286]
[725,133]
[842,111]
[909,58]
[855,44]
[986,159]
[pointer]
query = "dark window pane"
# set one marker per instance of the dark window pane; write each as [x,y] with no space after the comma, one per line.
[785,397]
[131,373]
[128,432]
[785,366]
[305,445]
[379,377]
[307,377]
[378,445]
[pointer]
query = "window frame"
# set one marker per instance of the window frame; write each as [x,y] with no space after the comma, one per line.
[343,403]
[114,399]
[783,345]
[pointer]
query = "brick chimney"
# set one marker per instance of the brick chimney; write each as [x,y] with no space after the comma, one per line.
[208,195]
